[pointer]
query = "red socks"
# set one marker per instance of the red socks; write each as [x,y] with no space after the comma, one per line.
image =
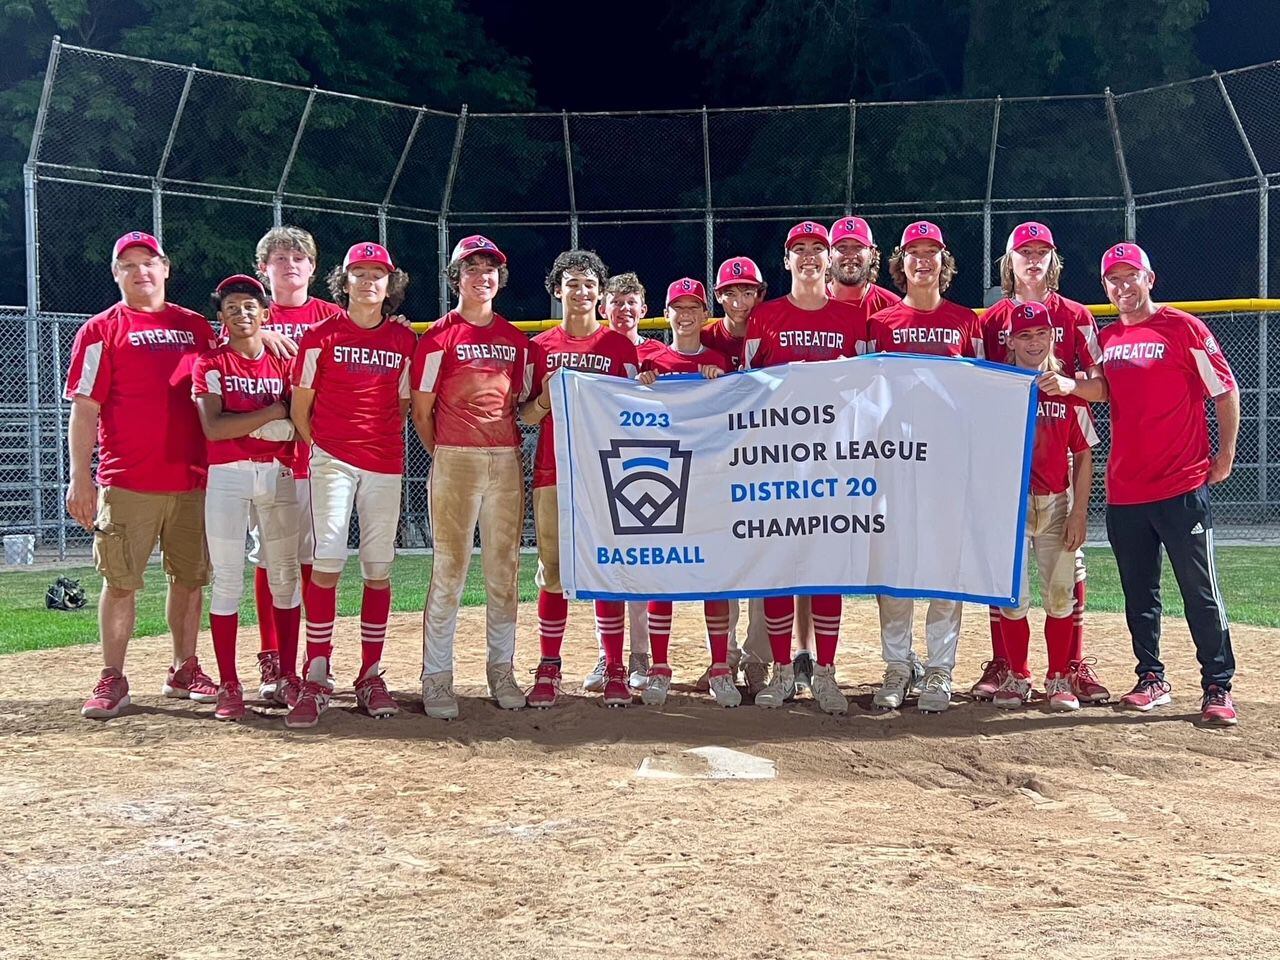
[1077,624]
[322,606]
[717,616]
[1058,635]
[826,627]
[287,624]
[998,651]
[610,617]
[553,614]
[659,629]
[375,606]
[779,619]
[224,627]
[262,600]
[1017,638]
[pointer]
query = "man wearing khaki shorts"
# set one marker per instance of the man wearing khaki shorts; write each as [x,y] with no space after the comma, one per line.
[130,387]
[469,373]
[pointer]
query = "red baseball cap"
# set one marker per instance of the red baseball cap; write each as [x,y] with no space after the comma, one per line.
[808,230]
[1029,316]
[243,278]
[687,287]
[737,270]
[1128,253]
[136,238]
[367,252]
[469,246]
[1029,232]
[854,227]
[922,230]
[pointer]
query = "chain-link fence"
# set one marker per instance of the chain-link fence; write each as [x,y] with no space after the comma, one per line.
[208,161]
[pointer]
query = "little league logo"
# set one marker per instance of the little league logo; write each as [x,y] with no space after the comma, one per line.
[648,484]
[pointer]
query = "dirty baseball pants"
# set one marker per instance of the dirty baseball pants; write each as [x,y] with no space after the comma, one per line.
[1182,526]
[471,486]
[941,630]
[1045,528]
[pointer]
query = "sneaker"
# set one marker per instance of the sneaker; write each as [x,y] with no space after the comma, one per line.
[756,676]
[287,690]
[802,667]
[1149,692]
[657,683]
[594,682]
[110,696]
[780,688]
[993,675]
[546,686]
[897,683]
[269,671]
[1217,709]
[503,688]
[720,683]
[638,668]
[438,701]
[230,701]
[703,683]
[616,691]
[1014,691]
[189,682]
[935,691]
[1084,682]
[827,692]
[1060,692]
[373,696]
[313,697]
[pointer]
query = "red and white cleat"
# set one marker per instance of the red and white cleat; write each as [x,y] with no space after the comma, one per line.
[230,701]
[1060,693]
[372,694]
[616,691]
[1084,682]
[993,674]
[546,686]
[269,671]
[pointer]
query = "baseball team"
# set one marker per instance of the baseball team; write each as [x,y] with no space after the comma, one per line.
[286,418]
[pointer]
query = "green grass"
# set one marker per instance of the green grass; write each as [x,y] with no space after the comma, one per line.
[1250,580]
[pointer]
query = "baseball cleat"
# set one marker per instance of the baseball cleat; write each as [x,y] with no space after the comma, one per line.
[503,688]
[110,696]
[313,698]
[1014,691]
[269,672]
[638,670]
[935,691]
[546,686]
[827,692]
[230,701]
[657,685]
[756,677]
[720,683]
[993,673]
[780,688]
[594,681]
[616,691]
[895,686]
[1150,691]
[189,682]
[438,701]
[1084,682]
[802,667]
[1060,693]
[287,690]
[372,694]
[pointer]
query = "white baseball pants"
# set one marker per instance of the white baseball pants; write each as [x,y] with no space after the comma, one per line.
[337,489]
[234,490]
[941,630]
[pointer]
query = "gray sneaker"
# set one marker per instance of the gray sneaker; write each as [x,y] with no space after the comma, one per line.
[657,683]
[638,668]
[780,688]
[895,686]
[503,687]
[437,695]
[720,684]
[756,677]
[827,692]
[935,692]
[594,681]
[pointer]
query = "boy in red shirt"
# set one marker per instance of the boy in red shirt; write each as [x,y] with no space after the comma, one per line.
[241,393]
[350,397]
[855,264]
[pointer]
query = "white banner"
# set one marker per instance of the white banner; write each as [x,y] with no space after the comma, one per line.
[889,474]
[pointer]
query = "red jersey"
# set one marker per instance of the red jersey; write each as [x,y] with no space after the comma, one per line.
[716,335]
[1159,372]
[648,348]
[244,385]
[1075,333]
[359,376]
[293,322]
[1062,424]
[605,351]
[671,360]
[949,330]
[780,332]
[478,376]
[870,299]
[137,367]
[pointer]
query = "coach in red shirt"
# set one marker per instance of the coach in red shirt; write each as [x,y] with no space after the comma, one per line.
[1160,365]
[130,387]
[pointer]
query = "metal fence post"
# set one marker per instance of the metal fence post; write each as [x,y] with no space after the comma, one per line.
[568,166]
[986,202]
[59,445]
[1130,209]
[446,198]
[395,177]
[848,171]
[710,229]
[157,210]
[277,202]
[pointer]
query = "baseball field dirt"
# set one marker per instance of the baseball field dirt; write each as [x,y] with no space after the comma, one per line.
[977,833]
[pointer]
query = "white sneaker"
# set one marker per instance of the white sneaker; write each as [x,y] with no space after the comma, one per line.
[503,688]
[437,695]
[594,681]
[1014,691]
[638,668]
[935,691]
[827,692]
[780,688]
[897,683]
[1060,693]
[657,683]
[723,690]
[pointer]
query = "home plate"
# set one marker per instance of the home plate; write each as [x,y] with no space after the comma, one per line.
[707,763]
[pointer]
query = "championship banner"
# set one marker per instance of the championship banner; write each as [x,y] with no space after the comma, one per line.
[890,474]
